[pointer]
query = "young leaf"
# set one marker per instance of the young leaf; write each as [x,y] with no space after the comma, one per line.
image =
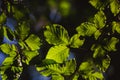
[116,27]
[75,41]
[98,51]
[33,42]
[111,44]
[86,29]
[58,53]
[97,34]
[56,34]
[115,7]
[90,71]
[100,19]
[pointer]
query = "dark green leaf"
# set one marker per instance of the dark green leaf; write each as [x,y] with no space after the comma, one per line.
[23,30]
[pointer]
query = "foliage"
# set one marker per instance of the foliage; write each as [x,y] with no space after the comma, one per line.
[22,45]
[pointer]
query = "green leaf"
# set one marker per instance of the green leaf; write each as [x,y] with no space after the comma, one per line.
[97,34]
[90,71]
[115,7]
[98,51]
[76,76]
[100,19]
[65,7]
[98,4]
[8,49]
[76,42]
[56,34]
[33,42]
[69,67]
[116,27]
[57,77]
[58,53]
[29,55]
[8,61]
[66,68]
[105,63]
[18,14]
[2,18]
[86,29]
[111,44]
[23,30]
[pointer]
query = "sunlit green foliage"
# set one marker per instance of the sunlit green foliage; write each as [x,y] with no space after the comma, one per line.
[97,36]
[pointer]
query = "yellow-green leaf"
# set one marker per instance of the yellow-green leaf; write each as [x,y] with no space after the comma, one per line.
[58,53]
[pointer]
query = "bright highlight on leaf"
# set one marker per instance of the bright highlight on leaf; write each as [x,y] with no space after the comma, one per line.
[58,53]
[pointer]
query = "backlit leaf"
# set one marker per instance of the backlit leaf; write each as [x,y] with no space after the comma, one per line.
[8,49]
[98,51]
[57,77]
[97,34]
[66,68]
[58,53]
[105,63]
[100,19]
[75,41]
[98,4]
[116,27]
[115,7]
[86,29]
[90,71]
[111,44]
[33,42]
[56,34]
